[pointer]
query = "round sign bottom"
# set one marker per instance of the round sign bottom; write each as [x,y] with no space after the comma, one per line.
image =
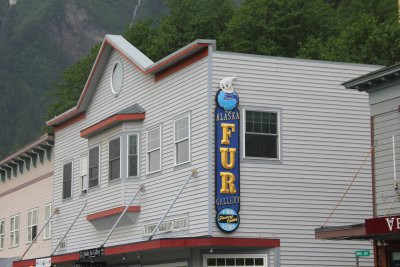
[228,220]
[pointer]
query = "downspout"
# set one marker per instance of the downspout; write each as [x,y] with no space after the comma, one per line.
[210,149]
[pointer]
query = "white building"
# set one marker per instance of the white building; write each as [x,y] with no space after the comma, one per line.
[26,196]
[146,129]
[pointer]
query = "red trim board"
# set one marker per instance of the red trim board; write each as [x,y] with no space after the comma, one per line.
[181,64]
[193,242]
[111,212]
[110,122]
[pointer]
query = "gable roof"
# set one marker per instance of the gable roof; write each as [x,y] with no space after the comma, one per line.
[135,57]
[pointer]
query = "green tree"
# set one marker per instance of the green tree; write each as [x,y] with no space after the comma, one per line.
[364,41]
[277,27]
[74,78]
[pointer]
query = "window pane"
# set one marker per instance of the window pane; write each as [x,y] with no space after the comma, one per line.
[249,261]
[67,180]
[239,261]
[220,262]
[261,122]
[94,157]
[154,161]
[114,149]
[132,145]
[153,139]
[182,151]
[94,167]
[133,170]
[211,262]
[114,169]
[265,146]
[182,128]
[230,261]
[67,189]
[259,262]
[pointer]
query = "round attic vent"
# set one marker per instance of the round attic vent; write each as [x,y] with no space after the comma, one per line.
[116,78]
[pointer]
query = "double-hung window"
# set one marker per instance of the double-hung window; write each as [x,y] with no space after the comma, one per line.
[114,159]
[67,180]
[261,134]
[182,140]
[14,231]
[32,225]
[133,155]
[48,210]
[84,177]
[94,159]
[2,234]
[154,150]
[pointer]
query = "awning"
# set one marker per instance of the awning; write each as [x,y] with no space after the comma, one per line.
[380,228]
[167,243]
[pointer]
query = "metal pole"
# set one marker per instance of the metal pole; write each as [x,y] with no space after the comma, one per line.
[141,188]
[394,161]
[56,210]
[193,174]
[70,227]
[357,263]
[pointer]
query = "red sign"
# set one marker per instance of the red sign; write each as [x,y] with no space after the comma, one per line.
[382,225]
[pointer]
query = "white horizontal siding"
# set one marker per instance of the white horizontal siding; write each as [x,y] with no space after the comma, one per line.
[177,94]
[324,134]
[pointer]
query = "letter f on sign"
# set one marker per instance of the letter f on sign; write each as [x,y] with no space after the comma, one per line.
[227,130]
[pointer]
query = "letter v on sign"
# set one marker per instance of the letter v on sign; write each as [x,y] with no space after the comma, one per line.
[390,222]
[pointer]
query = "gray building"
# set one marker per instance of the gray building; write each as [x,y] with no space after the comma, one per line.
[203,178]
[383,228]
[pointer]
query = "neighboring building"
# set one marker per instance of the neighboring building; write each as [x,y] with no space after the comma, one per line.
[383,87]
[149,128]
[26,197]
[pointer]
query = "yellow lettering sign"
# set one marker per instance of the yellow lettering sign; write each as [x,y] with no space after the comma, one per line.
[224,157]
[227,130]
[227,183]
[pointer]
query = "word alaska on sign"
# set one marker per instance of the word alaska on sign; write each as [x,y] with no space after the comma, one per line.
[227,156]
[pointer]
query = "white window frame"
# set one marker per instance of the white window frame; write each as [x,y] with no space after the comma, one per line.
[138,154]
[48,227]
[98,168]
[2,234]
[216,256]
[120,158]
[84,177]
[149,151]
[72,179]
[29,227]
[181,140]
[14,231]
[278,129]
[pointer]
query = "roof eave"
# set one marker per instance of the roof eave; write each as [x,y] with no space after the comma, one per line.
[364,82]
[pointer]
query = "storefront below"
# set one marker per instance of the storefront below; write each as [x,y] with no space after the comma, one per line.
[174,252]
[383,232]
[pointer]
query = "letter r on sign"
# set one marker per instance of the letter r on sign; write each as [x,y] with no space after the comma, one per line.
[227,183]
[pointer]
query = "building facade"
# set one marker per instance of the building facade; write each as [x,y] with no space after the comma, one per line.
[212,158]
[383,88]
[26,196]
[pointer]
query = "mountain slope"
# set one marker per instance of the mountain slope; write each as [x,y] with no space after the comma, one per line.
[38,39]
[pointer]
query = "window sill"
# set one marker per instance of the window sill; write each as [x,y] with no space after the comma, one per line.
[154,173]
[111,212]
[261,160]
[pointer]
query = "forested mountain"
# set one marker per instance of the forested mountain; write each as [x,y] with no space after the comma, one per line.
[38,40]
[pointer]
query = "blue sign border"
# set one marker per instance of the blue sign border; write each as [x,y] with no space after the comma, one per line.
[232,201]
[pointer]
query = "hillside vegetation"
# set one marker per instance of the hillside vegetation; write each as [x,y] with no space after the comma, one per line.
[38,40]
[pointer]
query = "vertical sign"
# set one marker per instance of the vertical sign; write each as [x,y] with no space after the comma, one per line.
[227,172]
